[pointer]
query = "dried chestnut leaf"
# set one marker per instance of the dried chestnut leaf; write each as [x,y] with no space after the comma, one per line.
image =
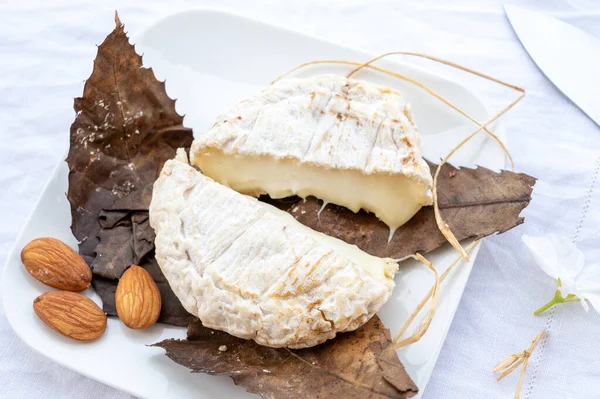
[359,364]
[126,128]
[126,238]
[474,202]
[171,311]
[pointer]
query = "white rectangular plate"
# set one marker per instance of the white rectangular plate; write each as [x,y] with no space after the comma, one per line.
[211,60]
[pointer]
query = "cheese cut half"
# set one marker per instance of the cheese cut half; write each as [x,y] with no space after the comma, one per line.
[347,142]
[251,270]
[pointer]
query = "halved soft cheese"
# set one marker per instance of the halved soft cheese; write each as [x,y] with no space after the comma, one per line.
[344,141]
[251,270]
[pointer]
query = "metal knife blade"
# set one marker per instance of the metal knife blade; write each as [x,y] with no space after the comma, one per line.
[568,56]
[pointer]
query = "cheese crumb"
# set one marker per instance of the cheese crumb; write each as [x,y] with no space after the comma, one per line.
[222,348]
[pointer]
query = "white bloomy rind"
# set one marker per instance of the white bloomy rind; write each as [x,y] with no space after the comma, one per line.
[251,270]
[345,141]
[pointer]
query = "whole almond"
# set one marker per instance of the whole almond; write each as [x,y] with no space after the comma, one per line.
[137,298]
[54,263]
[73,315]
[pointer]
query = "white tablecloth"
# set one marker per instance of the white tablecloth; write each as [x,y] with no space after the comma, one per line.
[46,52]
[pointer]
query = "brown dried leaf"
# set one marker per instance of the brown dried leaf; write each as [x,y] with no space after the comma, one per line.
[126,128]
[126,238]
[360,364]
[474,202]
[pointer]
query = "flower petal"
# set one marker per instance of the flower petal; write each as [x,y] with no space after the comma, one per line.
[585,305]
[588,285]
[589,279]
[556,255]
[594,301]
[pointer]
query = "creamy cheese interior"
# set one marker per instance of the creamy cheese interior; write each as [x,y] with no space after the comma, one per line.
[394,199]
[381,269]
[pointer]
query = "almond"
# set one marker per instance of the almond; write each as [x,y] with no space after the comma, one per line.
[73,315]
[137,298]
[54,263]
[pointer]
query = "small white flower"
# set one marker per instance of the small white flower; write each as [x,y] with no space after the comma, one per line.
[559,258]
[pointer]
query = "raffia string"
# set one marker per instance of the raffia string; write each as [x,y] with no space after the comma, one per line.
[442,225]
[432,307]
[432,291]
[410,80]
[512,362]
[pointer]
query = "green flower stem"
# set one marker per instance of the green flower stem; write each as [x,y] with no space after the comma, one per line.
[558,298]
[571,298]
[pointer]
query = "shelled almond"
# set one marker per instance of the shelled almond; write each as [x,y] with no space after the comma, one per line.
[54,263]
[137,299]
[73,315]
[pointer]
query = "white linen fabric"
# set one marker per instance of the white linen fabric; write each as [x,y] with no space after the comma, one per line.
[46,51]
